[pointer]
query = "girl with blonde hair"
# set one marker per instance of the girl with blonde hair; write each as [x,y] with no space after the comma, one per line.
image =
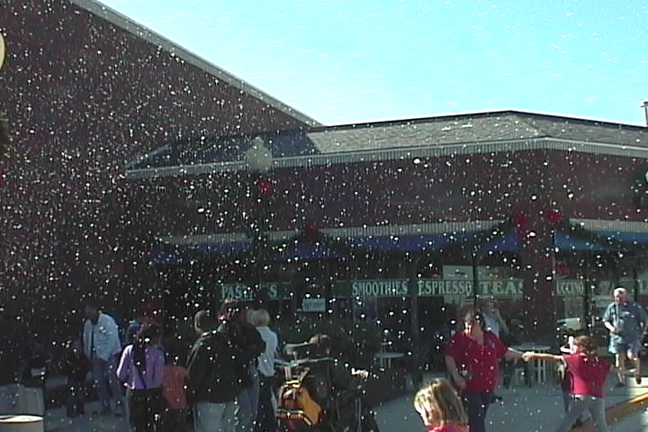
[440,408]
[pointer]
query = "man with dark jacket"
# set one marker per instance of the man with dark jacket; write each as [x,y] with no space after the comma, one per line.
[233,318]
[213,383]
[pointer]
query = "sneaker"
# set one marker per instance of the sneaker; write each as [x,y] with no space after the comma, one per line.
[119,409]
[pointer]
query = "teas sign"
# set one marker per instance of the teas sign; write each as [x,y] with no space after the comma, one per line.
[452,287]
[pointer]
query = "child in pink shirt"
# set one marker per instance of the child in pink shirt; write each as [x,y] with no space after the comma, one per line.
[588,373]
[440,408]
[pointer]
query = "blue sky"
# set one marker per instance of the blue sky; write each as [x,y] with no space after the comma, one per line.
[360,60]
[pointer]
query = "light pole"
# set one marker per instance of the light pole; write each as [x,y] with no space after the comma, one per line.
[4,122]
[258,161]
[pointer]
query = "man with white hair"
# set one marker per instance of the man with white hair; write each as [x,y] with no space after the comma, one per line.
[627,323]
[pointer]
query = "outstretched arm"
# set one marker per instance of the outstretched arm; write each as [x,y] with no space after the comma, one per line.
[541,356]
[513,354]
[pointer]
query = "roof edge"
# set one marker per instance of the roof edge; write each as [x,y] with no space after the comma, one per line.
[478,114]
[120,20]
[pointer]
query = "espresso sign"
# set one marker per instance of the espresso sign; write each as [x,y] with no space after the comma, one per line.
[435,288]
[445,287]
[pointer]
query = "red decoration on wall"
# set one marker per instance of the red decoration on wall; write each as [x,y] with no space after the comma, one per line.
[266,188]
[311,231]
[554,217]
[521,222]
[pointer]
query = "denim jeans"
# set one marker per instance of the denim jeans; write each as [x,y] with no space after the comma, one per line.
[214,417]
[476,405]
[580,404]
[248,404]
[266,418]
[104,373]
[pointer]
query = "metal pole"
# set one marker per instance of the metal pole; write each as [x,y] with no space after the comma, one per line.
[586,294]
[475,262]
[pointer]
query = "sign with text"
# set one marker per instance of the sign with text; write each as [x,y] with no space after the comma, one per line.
[432,288]
[569,287]
[246,293]
[314,305]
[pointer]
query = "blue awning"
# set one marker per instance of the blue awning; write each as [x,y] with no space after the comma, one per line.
[306,250]
[163,254]
[508,242]
[602,241]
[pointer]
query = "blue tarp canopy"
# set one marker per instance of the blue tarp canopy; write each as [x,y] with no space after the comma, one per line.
[613,241]
[303,249]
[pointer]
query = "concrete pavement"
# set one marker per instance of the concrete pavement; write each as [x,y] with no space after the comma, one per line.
[536,409]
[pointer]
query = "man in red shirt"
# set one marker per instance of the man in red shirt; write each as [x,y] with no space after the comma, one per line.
[471,358]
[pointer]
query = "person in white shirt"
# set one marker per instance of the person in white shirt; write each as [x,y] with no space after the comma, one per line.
[494,321]
[102,346]
[266,413]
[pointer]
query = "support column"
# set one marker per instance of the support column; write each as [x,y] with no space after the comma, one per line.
[412,264]
[538,272]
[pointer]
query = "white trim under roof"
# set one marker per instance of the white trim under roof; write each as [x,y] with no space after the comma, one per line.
[342,232]
[400,154]
[122,21]
[611,225]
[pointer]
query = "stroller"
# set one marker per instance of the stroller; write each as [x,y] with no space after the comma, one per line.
[308,401]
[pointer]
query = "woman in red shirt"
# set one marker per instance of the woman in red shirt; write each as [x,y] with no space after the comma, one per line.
[588,373]
[471,358]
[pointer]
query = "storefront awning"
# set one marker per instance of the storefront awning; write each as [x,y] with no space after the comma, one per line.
[164,254]
[600,241]
[508,242]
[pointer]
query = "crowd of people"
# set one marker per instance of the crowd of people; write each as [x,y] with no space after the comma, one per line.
[472,358]
[226,378]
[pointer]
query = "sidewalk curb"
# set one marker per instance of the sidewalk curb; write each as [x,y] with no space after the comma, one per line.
[618,412]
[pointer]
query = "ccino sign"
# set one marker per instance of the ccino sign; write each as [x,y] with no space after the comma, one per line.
[569,288]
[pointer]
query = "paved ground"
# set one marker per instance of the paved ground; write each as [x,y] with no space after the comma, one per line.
[634,423]
[536,409]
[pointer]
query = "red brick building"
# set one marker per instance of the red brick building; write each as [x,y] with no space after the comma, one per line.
[127,181]
[385,218]
[88,91]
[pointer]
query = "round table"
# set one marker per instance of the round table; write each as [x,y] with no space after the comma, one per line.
[539,366]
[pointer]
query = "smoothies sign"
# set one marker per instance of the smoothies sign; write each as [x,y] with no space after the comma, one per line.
[436,288]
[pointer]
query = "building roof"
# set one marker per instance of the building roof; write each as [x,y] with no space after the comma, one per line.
[99,9]
[491,127]
[472,128]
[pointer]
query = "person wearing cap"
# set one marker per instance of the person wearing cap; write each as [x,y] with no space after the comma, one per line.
[627,323]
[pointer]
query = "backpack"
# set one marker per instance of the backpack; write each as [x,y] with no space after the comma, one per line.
[303,398]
